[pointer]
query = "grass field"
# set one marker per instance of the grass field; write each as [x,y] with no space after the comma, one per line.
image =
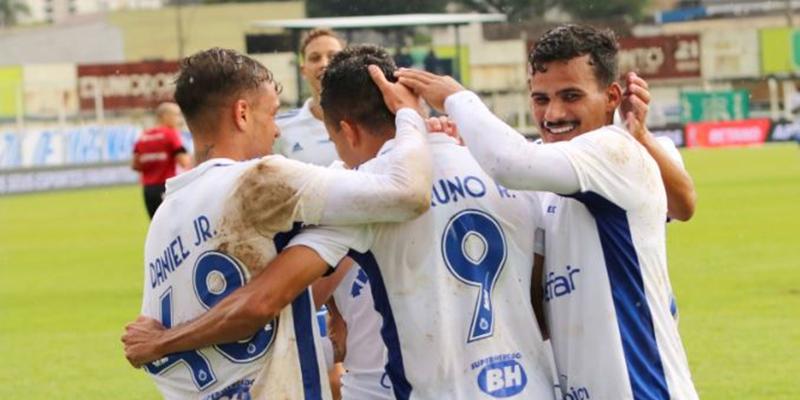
[71,277]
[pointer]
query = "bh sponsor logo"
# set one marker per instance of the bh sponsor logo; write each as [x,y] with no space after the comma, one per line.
[501,376]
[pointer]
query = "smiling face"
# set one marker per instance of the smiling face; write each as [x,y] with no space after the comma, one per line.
[317,55]
[567,100]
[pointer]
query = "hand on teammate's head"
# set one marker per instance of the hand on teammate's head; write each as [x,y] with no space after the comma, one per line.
[433,88]
[395,95]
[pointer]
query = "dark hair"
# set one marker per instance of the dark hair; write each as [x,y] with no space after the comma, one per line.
[348,92]
[566,42]
[211,77]
[316,33]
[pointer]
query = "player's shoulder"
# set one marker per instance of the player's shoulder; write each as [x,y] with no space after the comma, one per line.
[293,117]
[288,115]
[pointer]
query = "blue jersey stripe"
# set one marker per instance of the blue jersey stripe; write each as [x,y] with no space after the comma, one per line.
[394,365]
[303,318]
[645,367]
[304,331]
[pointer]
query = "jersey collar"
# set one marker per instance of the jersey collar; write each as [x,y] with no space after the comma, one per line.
[177,182]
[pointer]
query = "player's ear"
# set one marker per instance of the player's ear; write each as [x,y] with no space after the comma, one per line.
[614,96]
[241,114]
[351,133]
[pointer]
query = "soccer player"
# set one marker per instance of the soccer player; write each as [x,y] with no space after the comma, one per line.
[156,152]
[608,299]
[303,134]
[448,284]
[229,216]
[346,291]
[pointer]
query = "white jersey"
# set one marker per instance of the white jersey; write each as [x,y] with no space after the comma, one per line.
[223,221]
[366,378]
[303,137]
[608,298]
[452,286]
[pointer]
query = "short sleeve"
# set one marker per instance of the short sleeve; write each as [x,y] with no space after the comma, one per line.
[333,243]
[611,164]
[176,144]
[669,146]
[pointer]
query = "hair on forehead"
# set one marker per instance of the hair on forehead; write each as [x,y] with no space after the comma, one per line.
[348,92]
[209,78]
[318,33]
[566,42]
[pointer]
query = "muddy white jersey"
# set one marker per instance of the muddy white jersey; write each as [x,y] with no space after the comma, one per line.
[201,247]
[303,137]
[608,297]
[222,222]
[452,286]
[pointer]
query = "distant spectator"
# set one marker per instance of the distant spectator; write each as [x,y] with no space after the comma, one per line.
[402,58]
[156,153]
[432,63]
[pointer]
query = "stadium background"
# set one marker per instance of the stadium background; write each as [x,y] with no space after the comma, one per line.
[76,84]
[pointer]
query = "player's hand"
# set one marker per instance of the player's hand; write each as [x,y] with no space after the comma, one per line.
[395,95]
[443,124]
[636,127]
[635,101]
[140,339]
[433,88]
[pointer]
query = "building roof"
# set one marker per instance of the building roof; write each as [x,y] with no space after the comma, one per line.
[380,21]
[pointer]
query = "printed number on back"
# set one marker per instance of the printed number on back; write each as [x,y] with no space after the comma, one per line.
[215,276]
[474,250]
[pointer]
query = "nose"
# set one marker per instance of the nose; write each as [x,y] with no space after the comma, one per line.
[324,61]
[555,111]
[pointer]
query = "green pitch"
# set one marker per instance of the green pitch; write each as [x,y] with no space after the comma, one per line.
[72,277]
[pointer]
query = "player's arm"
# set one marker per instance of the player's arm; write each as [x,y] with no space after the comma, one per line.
[399,193]
[236,317]
[537,294]
[537,281]
[183,159]
[136,163]
[502,152]
[681,196]
[324,287]
[337,332]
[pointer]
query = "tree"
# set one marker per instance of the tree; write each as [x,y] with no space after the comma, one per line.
[11,10]
[336,8]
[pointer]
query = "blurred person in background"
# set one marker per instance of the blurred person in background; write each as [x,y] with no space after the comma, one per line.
[156,153]
[303,135]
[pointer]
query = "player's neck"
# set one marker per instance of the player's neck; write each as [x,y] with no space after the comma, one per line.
[208,149]
[316,108]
